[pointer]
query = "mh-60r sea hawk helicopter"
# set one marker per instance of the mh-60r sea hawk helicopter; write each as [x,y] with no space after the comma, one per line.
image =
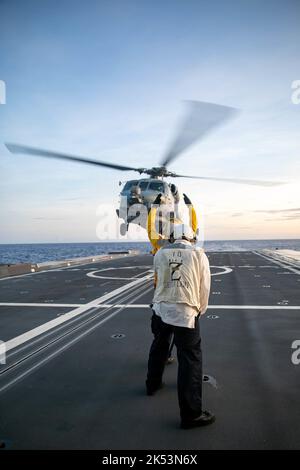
[201,118]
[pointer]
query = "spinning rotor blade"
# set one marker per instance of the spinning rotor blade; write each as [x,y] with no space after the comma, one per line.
[232,180]
[201,119]
[15,148]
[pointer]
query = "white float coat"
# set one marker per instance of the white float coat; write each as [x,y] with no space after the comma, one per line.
[182,277]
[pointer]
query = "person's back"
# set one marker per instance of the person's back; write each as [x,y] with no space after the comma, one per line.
[182,276]
[182,284]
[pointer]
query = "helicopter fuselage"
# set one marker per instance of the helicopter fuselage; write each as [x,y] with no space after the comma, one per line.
[136,199]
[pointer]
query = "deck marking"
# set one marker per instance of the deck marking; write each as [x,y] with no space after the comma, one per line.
[246,266]
[94,275]
[281,264]
[281,305]
[267,266]
[62,348]
[18,340]
[227,270]
[105,258]
[32,304]
[223,307]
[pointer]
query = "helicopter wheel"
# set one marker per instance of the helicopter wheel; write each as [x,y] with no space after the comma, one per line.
[123,229]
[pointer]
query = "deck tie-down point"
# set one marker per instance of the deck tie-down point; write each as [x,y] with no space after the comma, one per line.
[210,379]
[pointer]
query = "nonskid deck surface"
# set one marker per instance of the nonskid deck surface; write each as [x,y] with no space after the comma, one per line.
[78,341]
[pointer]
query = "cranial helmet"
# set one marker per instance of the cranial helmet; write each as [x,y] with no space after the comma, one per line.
[181,231]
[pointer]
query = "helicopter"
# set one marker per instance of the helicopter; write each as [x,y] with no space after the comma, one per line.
[138,194]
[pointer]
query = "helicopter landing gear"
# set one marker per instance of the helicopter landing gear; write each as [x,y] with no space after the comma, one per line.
[123,229]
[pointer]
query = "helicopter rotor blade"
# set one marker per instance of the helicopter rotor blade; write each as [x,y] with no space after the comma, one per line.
[202,117]
[232,180]
[15,148]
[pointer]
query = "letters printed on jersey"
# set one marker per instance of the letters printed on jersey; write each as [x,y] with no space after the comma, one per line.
[179,274]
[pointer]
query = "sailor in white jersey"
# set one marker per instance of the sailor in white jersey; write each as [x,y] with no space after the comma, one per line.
[182,286]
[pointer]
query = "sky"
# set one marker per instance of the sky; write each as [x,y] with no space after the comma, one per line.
[107,79]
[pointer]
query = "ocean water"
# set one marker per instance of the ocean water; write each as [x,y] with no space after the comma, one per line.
[40,252]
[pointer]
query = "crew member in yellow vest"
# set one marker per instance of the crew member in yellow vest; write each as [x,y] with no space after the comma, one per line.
[157,238]
[182,286]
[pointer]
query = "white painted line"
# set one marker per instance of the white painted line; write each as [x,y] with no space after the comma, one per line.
[105,258]
[61,349]
[255,307]
[223,307]
[42,272]
[93,273]
[268,266]
[104,305]
[279,263]
[13,343]
[226,270]
[24,304]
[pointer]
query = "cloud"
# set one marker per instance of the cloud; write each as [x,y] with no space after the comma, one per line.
[293,217]
[278,211]
[76,198]
[118,103]
[47,218]
[285,217]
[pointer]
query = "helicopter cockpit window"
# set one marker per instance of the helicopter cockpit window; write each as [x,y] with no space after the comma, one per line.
[157,186]
[143,185]
[129,185]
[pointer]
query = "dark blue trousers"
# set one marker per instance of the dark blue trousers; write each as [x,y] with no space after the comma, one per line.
[189,378]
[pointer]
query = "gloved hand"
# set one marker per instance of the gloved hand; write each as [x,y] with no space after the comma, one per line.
[186,199]
[158,199]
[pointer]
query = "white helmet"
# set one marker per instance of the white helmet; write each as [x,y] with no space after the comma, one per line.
[183,231]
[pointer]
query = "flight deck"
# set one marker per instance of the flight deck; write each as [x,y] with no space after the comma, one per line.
[77,341]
